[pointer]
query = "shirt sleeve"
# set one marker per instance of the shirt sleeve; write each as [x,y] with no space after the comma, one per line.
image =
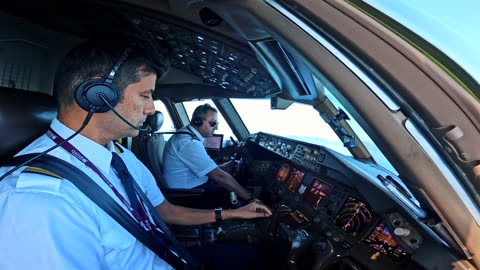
[196,158]
[40,236]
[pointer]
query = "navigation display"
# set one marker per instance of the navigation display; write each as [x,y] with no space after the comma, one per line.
[283,172]
[354,216]
[382,240]
[294,180]
[214,142]
[318,190]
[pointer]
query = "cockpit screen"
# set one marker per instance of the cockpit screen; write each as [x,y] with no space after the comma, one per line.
[283,172]
[294,180]
[381,239]
[318,190]
[295,218]
[354,216]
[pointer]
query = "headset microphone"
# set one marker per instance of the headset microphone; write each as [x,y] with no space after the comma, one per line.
[145,128]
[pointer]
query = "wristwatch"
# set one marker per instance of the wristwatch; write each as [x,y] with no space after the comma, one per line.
[218,215]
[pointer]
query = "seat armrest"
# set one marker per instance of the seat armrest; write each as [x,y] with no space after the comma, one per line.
[185,197]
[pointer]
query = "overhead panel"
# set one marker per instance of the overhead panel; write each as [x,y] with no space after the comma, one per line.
[214,61]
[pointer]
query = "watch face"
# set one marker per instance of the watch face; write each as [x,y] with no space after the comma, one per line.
[218,214]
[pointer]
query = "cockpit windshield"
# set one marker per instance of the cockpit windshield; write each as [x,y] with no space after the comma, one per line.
[299,122]
[302,122]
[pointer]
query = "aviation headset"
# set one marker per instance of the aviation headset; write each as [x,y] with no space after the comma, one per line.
[100,95]
[202,109]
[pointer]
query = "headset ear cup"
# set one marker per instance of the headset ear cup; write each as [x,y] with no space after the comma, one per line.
[197,121]
[87,95]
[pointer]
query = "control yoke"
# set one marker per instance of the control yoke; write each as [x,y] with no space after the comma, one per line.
[302,241]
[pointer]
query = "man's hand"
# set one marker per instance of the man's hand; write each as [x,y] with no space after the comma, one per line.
[253,210]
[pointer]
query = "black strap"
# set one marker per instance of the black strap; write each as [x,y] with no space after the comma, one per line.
[127,180]
[121,166]
[92,190]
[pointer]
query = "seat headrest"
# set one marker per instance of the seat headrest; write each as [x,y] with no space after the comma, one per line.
[155,121]
[24,116]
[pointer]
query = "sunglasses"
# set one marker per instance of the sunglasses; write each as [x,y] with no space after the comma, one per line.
[212,123]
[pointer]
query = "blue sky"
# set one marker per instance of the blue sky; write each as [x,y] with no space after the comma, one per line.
[452,26]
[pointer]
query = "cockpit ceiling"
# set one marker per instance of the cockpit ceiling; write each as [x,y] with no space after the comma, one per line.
[215,59]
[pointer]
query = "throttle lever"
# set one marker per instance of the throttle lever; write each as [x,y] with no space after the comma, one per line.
[324,255]
[299,242]
[235,143]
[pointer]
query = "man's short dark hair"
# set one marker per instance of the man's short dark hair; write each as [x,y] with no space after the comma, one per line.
[96,59]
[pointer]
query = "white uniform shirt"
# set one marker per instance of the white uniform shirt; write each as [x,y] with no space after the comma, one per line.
[186,163]
[47,223]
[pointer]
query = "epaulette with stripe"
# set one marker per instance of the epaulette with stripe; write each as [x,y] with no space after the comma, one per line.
[38,170]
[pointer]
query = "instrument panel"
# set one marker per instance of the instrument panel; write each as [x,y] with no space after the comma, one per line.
[315,193]
[317,202]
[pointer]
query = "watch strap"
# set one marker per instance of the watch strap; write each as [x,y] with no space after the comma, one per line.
[218,215]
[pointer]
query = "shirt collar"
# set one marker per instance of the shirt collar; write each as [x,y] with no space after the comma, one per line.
[192,129]
[99,155]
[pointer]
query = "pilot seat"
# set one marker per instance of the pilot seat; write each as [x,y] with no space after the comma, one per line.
[151,145]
